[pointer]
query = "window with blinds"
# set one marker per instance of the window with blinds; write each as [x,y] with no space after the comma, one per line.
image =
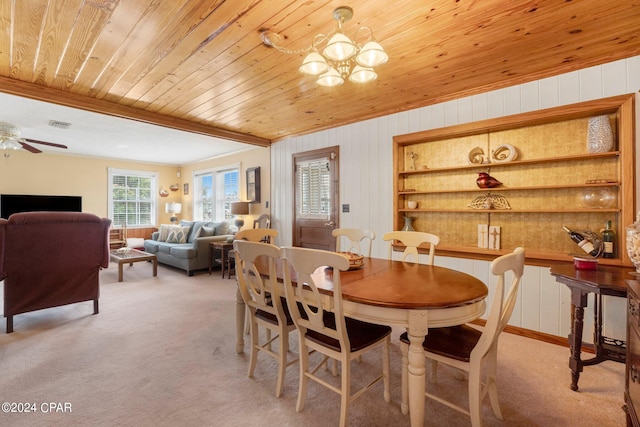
[313,186]
[131,198]
[214,190]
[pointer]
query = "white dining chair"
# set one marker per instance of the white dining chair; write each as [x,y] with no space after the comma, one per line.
[265,235]
[266,306]
[329,333]
[472,350]
[263,221]
[353,237]
[411,240]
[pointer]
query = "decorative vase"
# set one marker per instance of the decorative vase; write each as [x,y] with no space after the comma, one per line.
[599,135]
[600,198]
[407,224]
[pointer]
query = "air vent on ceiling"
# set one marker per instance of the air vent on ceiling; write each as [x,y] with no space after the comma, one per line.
[59,124]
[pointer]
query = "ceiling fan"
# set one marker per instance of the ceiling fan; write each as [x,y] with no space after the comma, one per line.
[10,140]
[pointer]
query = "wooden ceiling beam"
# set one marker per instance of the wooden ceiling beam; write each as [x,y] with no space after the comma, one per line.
[67,99]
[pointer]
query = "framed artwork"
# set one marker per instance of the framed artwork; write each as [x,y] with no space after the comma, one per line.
[186,189]
[253,185]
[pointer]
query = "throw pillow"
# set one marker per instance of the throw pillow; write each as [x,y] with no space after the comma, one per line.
[222,228]
[207,231]
[178,236]
[164,230]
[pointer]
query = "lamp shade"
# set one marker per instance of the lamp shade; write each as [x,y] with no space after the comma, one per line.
[313,64]
[339,48]
[330,78]
[372,55]
[173,208]
[240,208]
[10,144]
[362,75]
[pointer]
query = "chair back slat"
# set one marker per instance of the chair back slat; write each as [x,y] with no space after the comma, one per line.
[308,264]
[257,288]
[263,221]
[502,306]
[411,240]
[353,237]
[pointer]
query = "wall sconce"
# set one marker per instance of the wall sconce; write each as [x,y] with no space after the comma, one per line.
[173,209]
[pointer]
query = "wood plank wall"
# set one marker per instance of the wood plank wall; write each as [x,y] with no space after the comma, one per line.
[144,233]
[366,178]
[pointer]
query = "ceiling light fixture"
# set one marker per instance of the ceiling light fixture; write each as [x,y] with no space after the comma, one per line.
[341,58]
[9,137]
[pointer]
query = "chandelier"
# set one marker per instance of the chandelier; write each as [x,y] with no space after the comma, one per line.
[341,57]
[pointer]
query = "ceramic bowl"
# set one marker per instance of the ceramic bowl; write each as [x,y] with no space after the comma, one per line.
[412,204]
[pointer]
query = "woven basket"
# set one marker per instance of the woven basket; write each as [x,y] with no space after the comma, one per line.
[355,260]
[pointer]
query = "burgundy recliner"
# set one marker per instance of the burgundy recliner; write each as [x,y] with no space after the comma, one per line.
[49,259]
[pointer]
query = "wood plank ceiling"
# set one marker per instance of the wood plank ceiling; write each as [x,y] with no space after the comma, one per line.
[201,66]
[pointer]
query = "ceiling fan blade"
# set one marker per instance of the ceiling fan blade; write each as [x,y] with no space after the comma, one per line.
[51,144]
[29,147]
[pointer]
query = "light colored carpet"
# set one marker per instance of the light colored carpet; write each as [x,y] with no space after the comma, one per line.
[162,352]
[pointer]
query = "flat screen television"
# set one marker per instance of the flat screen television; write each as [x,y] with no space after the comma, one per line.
[14,203]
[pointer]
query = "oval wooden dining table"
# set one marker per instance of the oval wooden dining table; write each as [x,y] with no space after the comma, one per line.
[395,293]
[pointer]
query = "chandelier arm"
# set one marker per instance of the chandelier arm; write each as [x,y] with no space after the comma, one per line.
[320,38]
[371,37]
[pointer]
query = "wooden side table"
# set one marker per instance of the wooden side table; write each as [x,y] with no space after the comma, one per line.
[606,280]
[224,247]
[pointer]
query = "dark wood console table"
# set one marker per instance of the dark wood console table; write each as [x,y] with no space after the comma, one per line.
[606,280]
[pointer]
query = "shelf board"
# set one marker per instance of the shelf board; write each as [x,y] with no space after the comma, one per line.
[507,211]
[532,257]
[513,163]
[490,190]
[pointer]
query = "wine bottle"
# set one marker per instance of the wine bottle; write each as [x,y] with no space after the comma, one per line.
[584,244]
[609,240]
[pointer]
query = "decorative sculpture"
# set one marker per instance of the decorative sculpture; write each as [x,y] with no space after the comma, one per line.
[490,201]
[487,181]
[413,156]
[504,153]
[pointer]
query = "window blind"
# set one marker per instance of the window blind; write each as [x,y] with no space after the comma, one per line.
[313,188]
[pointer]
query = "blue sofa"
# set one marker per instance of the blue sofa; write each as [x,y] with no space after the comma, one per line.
[187,249]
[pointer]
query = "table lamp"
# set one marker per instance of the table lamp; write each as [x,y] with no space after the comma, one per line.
[239,209]
[173,208]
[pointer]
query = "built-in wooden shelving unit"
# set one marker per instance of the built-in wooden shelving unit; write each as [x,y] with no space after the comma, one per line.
[545,185]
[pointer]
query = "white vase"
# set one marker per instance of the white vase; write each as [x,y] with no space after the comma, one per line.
[599,135]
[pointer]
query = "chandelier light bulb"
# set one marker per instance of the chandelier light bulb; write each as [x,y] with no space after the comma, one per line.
[330,78]
[339,48]
[362,75]
[313,64]
[372,55]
